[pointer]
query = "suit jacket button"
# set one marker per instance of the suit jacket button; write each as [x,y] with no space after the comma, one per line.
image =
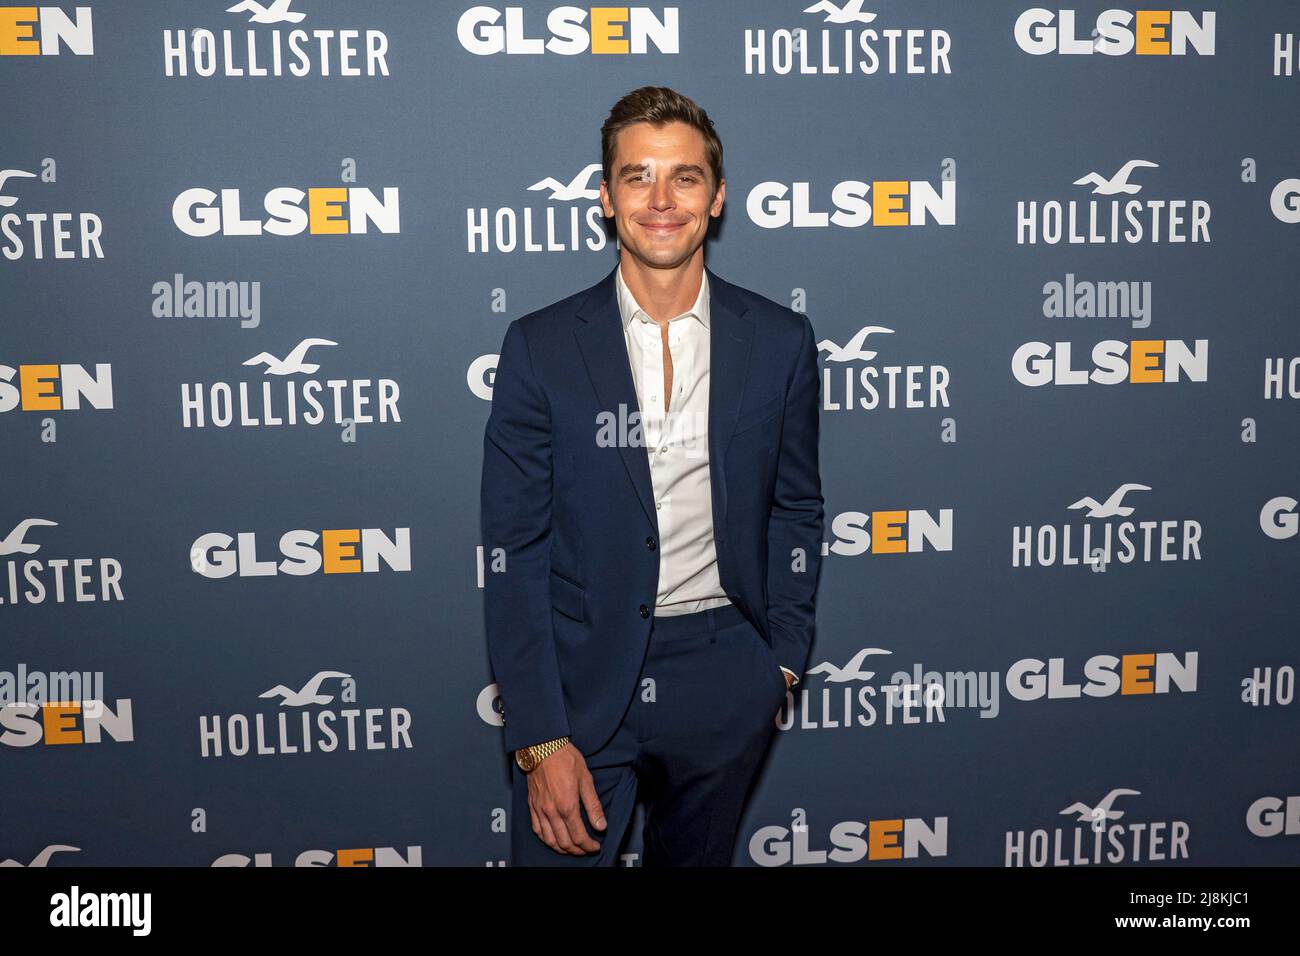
[650,543]
[645,611]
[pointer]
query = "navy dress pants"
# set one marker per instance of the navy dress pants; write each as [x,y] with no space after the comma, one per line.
[689,745]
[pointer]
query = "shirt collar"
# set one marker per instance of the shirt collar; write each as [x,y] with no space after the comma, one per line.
[629,308]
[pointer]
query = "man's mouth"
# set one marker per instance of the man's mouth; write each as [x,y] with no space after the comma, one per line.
[662,227]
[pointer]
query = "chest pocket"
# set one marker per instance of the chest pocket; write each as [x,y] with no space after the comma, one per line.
[762,414]
[567,598]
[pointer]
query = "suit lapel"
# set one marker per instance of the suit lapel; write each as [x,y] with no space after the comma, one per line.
[731,336]
[604,352]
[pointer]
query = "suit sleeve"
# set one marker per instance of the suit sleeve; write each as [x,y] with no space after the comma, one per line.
[794,529]
[515,511]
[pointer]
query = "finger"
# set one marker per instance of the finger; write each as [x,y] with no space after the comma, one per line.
[591,800]
[540,828]
[563,838]
[578,830]
[547,834]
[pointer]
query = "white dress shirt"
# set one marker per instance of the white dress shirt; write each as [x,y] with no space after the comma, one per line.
[677,443]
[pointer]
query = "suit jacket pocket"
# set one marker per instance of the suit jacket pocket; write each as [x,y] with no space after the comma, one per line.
[568,598]
[771,664]
[758,416]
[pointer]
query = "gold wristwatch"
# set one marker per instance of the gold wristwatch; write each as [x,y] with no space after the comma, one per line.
[530,757]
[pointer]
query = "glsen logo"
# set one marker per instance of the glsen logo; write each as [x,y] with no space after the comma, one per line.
[55,388]
[860,386]
[1278,518]
[1114,362]
[71,235]
[1284,201]
[49,579]
[1107,675]
[1048,545]
[42,859]
[613,31]
[571,227]
[66,723]
[894,202]
[336,553]
[291,401]
[330,211]
[364,856]
[68,702]
[1096,838]
[1118,32]
[325,52]
[834,48]
[75,908]
[890,532]
[875,841]
[1149,361]
[46,31]
[1274,816]
[1173,221]
[328,730]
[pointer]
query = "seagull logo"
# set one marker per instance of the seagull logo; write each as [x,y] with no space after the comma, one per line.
[850,671]
[1112,507]
[1102,810]
[851,12]
[310,693]
[291,363]
[574,189]
[42,859]
[12,173]
[13,543]
[852,350]
[1119,182]
[277,12]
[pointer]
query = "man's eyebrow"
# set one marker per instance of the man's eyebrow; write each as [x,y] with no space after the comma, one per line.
[627,168]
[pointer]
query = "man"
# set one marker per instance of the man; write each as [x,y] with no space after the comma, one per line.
[651,490]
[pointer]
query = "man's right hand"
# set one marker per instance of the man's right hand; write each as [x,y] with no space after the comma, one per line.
[557,787]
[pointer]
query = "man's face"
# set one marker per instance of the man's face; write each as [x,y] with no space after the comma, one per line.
[661,195]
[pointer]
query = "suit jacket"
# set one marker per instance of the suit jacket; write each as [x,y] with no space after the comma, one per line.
[569,615]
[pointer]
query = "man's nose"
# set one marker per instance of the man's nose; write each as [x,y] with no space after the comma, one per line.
[661,194]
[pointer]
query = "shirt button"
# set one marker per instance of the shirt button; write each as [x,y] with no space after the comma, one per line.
[650,543]
[645,611]
[658,505]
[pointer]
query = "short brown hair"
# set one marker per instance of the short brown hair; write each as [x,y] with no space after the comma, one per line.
[658,105]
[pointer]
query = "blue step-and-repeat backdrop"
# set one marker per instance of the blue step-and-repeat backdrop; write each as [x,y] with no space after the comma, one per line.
[256,262]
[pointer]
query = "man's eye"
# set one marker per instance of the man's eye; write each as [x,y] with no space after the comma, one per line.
[647,179]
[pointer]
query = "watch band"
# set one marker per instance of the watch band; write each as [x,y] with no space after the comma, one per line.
[529,757]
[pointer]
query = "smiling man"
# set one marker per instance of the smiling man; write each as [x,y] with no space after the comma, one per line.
[650,476]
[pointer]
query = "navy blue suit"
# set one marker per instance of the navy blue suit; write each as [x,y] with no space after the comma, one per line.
[569,618]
